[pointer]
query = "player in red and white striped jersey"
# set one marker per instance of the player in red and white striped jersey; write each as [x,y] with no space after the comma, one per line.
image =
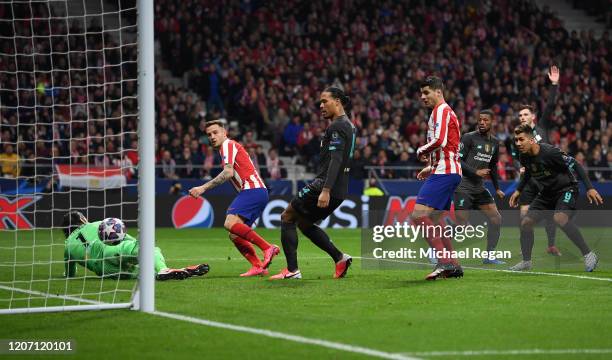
[443,173]
[248,205]
[443,138]
[245,175]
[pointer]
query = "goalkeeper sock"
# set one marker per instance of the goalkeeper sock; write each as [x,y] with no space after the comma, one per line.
[247,250]
[571,230]
[245,232]
[290,243]
[320,238]
[551,230]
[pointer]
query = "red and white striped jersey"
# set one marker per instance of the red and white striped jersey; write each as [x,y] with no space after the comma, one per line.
[443,138]
[245,175]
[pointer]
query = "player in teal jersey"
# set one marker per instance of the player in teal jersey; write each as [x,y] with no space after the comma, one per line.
[83,246]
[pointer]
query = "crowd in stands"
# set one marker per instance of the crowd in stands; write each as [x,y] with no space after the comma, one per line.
[262,65]
[68,91]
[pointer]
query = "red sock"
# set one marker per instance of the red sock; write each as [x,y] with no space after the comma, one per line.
[247,250]
[448,243]
[433,240]
[245,232]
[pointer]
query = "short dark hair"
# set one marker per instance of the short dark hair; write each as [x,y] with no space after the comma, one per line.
[72,221]
[528,107]
[339,94]
[214,122]
[434,83]
[523,129]
[488,112]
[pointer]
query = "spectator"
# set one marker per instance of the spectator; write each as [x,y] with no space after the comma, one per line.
[312,150]
[127,166]
[266,78]
[186,168]
[249,141]
[210,161]
[290,135]
[609,160]
[196,153]
[372,189]
[274,165]
[404,160]
[258,159]
[304,136]
[9,162]
[381,162]
[357,164]
[597,165]
[132,153]
[168,166]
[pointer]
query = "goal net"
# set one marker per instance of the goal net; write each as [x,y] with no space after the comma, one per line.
[68,131]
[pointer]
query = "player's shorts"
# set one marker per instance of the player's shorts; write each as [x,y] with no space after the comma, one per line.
[249,204]
[437,191]
[544,204]
[529,193]
[305,203]
[469,200]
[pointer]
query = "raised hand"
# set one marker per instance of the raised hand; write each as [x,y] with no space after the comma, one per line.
[553,75]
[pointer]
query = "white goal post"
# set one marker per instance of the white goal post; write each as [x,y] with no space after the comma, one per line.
[77,132]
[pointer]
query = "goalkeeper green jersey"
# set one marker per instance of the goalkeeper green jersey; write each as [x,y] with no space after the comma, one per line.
[85,248]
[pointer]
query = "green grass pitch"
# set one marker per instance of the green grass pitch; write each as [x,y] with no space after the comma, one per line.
[394,311]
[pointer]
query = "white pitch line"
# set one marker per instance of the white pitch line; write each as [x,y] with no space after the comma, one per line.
[584,277]
[288,337]
[498,270]
[63,297]
[511,352]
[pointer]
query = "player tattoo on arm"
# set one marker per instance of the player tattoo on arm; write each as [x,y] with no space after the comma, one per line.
[226,174]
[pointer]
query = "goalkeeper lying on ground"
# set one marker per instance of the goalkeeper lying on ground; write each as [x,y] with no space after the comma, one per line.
[88,245]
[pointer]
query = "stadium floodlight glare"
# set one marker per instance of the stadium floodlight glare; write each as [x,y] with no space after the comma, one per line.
[76,107]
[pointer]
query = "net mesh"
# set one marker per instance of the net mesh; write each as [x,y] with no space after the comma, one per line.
[68,119]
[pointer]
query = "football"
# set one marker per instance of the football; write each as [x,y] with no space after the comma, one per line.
[111,231]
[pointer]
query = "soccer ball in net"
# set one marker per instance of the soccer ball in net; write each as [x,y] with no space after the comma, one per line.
[111,231]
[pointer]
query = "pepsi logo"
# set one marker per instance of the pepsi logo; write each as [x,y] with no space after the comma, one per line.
[189,212]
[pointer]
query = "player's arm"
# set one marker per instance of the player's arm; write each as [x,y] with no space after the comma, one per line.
[522,183]
[440,133]
[69,264]
[553,75]
[123,255]
[524,179]
[226,174]
[337,143]
[572,164]
[592,194]
[513,152]
[228,153]
[493,172]
[465,146]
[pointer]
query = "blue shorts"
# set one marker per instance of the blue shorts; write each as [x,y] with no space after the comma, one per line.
[437,191]
[249,204]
